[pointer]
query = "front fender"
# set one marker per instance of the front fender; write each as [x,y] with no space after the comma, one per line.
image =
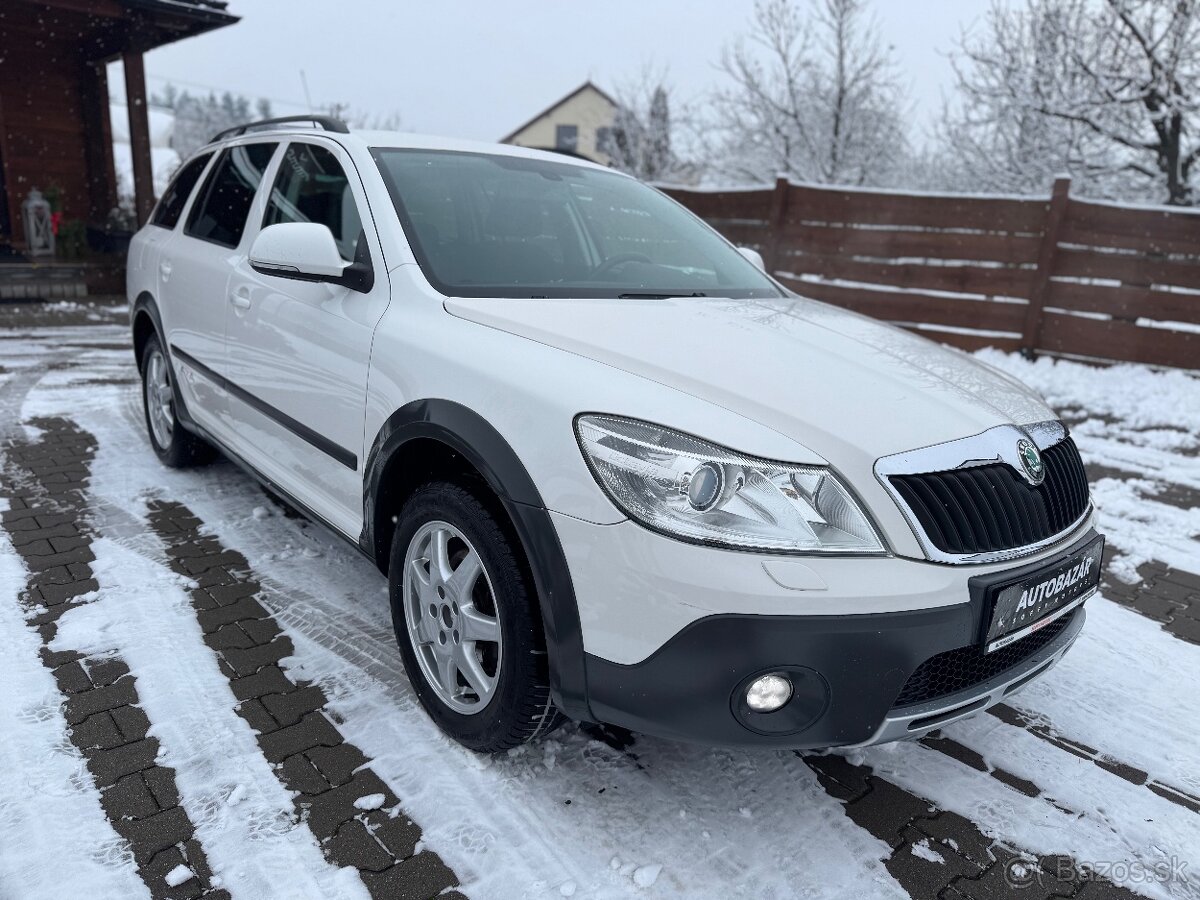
[473,437]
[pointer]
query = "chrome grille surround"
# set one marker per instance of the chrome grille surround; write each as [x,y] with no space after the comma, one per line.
[988,448]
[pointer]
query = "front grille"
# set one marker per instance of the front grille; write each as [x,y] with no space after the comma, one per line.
[983,509]
[957,670]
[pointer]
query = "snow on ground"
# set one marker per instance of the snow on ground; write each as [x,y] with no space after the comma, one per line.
[1143,422]
[255,845]
[47,797]
[572,816]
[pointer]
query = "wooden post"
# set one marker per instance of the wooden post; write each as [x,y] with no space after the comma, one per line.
[1039,293]
[139,134]
[10,212]
[775,219]
[102,176]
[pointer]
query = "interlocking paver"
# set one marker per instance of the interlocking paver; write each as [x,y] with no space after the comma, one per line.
[112,765]
[97,731]
[129,797]
[354,845]
[313,730]
[416,878]
[81,705]
[288,709]
[267,680]
[252,659]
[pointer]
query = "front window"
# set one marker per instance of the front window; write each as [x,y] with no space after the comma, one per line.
[312,187]
[484,225]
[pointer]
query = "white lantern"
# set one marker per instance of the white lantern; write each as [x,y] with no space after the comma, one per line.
[39,227]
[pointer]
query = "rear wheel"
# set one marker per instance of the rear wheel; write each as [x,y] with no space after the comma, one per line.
[467,621]
[175,446]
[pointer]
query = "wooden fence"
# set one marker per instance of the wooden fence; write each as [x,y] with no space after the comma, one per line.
[1062,276]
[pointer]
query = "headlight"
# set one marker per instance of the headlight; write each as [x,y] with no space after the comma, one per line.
[691,489]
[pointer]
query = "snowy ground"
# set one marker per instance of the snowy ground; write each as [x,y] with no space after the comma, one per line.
[576,815]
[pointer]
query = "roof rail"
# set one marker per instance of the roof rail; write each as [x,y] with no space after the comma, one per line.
[329,123]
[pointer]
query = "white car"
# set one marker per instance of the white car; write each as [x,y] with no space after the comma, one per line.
[612,470]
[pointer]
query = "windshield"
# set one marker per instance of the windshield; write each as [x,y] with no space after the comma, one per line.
[484,225]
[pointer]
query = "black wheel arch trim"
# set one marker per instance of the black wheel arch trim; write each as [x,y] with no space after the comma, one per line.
[469,434]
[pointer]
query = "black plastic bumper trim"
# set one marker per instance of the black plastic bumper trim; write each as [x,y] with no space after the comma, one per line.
[683,690]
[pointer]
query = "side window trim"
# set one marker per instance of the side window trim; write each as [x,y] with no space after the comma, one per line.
[209,182]
[208,157]
[358,190]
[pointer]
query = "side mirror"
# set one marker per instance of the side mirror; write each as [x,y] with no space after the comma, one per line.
[754,256]
[306,251]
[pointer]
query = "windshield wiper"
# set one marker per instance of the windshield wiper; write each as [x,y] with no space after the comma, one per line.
[659,296]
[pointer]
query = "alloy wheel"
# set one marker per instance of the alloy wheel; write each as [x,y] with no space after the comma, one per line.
[452,618]
[160,400]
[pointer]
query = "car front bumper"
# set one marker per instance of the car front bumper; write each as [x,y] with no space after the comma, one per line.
[848,669]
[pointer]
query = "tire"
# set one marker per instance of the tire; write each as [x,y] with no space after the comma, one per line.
[506,700]
[174,445]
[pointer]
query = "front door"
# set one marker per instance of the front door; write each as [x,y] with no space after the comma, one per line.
[298,352]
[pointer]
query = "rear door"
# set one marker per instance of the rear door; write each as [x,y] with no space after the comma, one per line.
[146,251]
[298,352]
[194,268]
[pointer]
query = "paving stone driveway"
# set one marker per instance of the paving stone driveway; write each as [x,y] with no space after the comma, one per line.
[51,527]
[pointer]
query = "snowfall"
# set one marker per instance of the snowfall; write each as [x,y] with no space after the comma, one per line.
[570,815]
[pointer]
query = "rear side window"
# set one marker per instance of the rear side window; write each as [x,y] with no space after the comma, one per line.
[219,213]
[312,187]
[175,199]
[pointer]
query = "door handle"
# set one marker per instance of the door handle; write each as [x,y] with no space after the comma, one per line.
[240,298]
[164,269]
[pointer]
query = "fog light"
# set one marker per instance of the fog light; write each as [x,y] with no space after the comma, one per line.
[768,693]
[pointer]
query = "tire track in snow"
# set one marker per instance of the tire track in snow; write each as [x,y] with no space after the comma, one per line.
[44,481]
[1045,731]
[940,854]
[350,810]
[306,752]
[47,794]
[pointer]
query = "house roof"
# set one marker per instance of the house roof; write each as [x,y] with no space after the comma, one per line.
[587,85]
[174,19]
[106,28]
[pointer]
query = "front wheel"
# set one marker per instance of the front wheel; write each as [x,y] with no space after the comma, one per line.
[467,621]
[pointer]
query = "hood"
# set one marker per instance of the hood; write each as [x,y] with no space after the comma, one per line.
[839,383]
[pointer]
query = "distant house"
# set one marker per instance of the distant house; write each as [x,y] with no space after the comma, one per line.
[579,123]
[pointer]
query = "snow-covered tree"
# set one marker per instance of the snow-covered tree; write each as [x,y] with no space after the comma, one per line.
[1108,92]
[365,120]
[642,138]
[197,119]
[812,93]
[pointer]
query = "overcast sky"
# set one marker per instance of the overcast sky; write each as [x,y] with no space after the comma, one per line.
[478,69]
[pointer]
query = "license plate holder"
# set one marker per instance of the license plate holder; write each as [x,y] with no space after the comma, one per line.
[1024,605]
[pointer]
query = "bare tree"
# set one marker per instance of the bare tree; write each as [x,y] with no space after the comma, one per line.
[813,94]
[645,135]
[1109,93]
